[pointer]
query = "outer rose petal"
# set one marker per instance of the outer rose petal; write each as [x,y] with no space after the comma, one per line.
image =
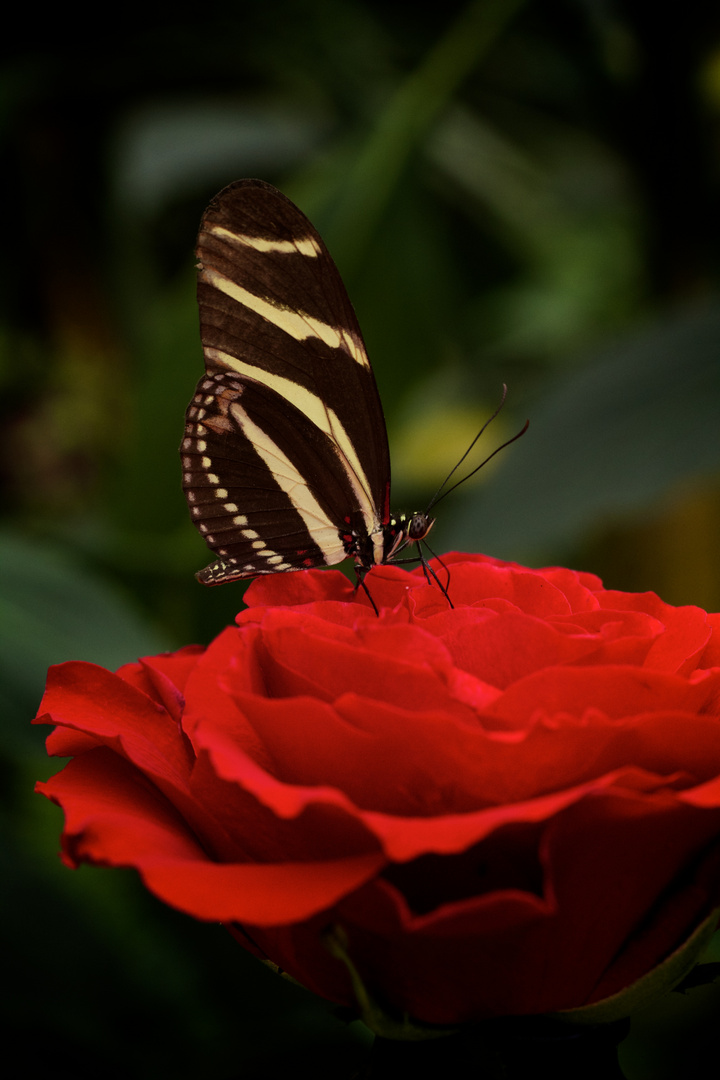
[511,806]
[113,818]
[163,677]
[86,698]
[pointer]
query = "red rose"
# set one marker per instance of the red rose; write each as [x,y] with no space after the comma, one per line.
[506,808]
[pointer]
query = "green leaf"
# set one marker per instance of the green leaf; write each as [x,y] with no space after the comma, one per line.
[606,442]
[53,609]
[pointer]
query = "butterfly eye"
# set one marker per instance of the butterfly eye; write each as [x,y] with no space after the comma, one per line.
[420,525]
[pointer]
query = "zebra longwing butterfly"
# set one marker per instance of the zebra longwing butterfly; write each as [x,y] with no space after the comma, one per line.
[285,454]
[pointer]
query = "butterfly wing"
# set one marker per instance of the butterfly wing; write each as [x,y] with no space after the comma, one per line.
[285,455]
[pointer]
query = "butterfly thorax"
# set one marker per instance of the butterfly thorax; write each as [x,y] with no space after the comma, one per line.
[384,544]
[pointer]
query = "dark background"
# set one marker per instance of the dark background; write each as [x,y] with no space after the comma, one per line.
[514,192]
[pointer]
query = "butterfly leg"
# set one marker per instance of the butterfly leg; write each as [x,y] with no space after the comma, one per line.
[429,572]
[360,582]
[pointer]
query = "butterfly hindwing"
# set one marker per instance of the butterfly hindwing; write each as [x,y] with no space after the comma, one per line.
[285,455]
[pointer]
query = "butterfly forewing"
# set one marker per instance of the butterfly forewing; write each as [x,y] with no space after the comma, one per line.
[285,455]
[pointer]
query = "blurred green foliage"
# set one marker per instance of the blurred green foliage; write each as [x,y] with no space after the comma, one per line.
[514,192]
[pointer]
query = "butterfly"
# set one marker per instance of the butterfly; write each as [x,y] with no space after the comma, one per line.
[285,454]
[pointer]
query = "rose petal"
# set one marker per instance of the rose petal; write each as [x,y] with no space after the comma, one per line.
[507,806]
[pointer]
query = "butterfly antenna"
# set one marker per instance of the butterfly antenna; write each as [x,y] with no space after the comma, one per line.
[440,494]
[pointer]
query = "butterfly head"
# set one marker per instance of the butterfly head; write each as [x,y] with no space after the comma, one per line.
[402,531]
